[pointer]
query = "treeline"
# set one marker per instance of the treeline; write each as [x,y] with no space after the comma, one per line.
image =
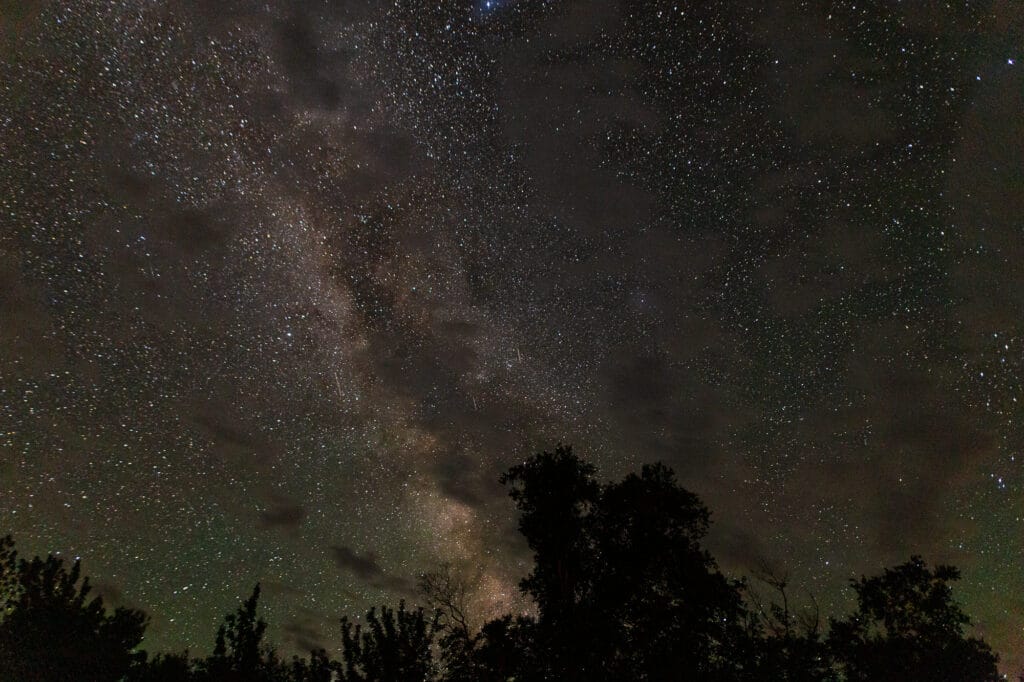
[622,587]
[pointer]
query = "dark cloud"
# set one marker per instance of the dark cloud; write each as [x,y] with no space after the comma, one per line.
[304,635]
[229,434]
[669,414]
[277,587]
[242,448]
[817,108]
[182,233]
[363,566]
[17,18]
[366,568]
[930,448]
[319,71]
[466,479]
[113,596]
[282,513]
[742,551]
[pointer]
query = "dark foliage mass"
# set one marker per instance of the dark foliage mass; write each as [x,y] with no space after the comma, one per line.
[621,583]
[622,588]
[908,626]
[52,630]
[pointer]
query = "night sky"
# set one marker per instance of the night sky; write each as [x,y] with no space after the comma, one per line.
[284,287]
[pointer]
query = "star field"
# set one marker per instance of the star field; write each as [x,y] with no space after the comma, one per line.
[283,290]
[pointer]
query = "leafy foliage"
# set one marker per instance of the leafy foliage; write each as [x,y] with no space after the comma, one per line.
[554,493]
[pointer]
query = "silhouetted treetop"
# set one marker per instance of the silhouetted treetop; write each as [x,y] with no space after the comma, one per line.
[621,582]
[623,591]
[52,630]
[239,650]
[907,626]
[394,646]
[554,492]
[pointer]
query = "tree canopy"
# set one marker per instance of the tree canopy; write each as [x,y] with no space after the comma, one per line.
[622,586]
[907,625]
[52,630]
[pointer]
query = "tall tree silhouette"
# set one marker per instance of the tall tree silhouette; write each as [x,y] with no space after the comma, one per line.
[51,630]
[554,493]
[623,587]
[907,627]
[395,646]
[447,594]
[239,652]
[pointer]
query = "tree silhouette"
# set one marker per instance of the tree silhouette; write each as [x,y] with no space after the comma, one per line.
[447,595]
[907,627]
[623,587]
[239,652]
[52,630]
[671,609]
[8,575]
[554,492]
[787,644]
[163,668]
[395,646]
[623,590]
[319,668]
[506,648]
